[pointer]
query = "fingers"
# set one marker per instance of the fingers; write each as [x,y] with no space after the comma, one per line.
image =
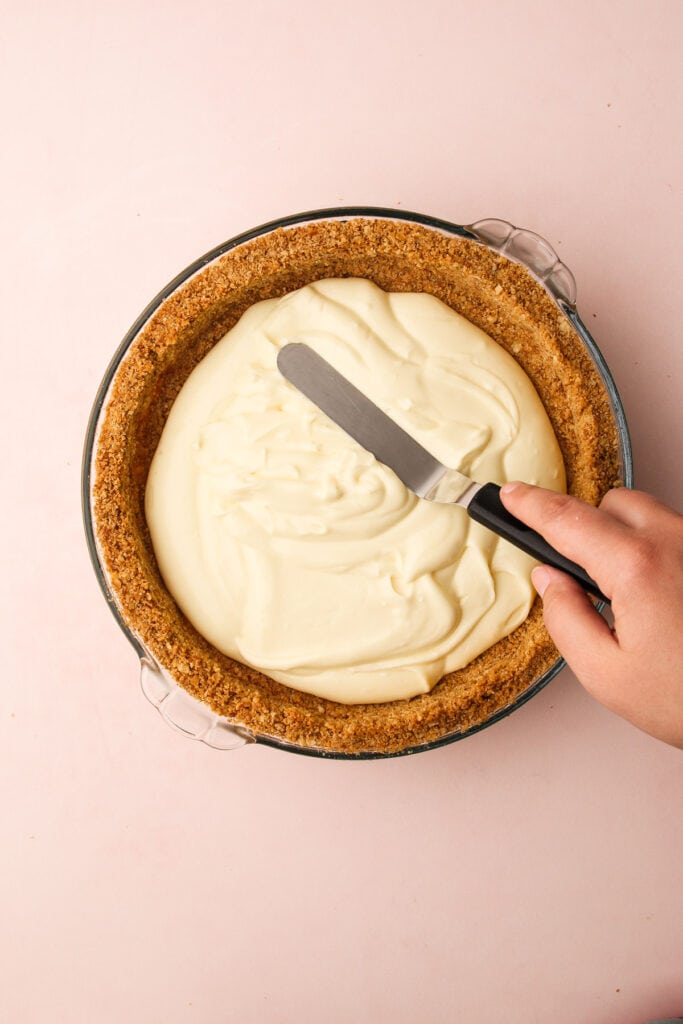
[633,546]
[635,508]
[579,632]
[587,535]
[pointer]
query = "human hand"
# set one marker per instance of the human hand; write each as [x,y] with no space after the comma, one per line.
[632,546]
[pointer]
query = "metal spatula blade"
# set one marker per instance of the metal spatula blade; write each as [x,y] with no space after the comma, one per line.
[353,411]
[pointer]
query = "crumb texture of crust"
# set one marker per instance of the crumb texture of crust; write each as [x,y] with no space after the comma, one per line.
[498,296]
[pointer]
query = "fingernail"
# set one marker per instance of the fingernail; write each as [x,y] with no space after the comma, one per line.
[510,487]
[540,577]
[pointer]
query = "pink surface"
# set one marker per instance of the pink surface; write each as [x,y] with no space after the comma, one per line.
[530,873]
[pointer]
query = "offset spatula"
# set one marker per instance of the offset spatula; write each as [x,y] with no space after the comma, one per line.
[419,471]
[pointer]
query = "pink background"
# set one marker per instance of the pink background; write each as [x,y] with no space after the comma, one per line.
[530,873]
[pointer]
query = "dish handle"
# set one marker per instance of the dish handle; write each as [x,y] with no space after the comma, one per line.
[184,713]
[533,252]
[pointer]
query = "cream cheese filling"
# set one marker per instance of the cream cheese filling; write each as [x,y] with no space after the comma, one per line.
[291,549]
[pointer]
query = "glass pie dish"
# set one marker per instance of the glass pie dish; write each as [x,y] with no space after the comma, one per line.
[511,283]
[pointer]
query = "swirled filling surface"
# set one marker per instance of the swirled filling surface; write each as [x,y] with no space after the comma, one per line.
[291,549]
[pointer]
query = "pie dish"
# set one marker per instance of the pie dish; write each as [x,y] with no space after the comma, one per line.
[507,281]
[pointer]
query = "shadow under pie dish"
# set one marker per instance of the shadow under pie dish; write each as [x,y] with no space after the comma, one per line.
[507,282]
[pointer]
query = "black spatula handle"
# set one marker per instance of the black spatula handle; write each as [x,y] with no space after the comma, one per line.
[487,508]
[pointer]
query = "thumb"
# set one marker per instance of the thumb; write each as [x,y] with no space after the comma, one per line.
[579,632]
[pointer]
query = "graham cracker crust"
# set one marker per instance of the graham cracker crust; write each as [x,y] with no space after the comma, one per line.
[497,295]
